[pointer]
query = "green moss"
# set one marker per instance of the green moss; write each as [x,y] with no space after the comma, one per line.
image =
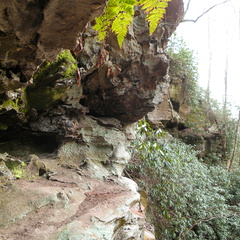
[17,168]
[44,92]
[3,126]
[67,58]
[69,62]
[18,104]
[9,105]
[43,72]
[42,98]
[64,67]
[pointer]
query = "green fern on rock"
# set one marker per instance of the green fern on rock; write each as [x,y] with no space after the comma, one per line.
[155,10]
[118,16]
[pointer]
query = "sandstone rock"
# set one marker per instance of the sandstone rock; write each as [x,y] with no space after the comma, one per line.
[148,236]
[128,85]
[103,147]
[162,112]
[33,31]
[5,173]
[130,81]
[65,210]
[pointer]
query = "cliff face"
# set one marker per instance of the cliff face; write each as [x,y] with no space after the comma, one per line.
[65,125]
[185,116]
[32,30]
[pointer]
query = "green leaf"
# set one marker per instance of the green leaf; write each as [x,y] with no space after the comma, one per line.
[118,16]
[155,10]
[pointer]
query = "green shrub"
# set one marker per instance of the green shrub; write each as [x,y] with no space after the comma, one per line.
[188,199]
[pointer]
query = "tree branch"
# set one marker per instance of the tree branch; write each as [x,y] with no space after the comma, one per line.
[188,4]
[192,20]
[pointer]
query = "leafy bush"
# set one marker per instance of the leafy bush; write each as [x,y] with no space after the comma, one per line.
[188,199]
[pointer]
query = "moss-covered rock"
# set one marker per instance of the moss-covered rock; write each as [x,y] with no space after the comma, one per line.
[50,82]
[16,167]
[5,174]
[42,98]
[64,67]
[3,127]
[10,104]
[13,108]
[28,167]
[69,62]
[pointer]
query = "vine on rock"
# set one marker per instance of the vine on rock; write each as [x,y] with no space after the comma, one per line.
[118,15]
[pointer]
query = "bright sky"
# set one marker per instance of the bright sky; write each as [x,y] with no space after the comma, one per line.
[218,29]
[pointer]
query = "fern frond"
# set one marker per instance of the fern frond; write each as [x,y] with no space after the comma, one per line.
[119,14]
[117,17]
[155,10]
[120,26]
[147,5]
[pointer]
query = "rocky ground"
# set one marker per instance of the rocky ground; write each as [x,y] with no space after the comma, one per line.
[65,203]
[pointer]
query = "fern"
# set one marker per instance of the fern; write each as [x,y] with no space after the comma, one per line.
[155,10]
[118,16]
[120,26]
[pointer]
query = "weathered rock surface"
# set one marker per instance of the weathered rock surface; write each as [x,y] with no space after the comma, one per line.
[102,146]
[70,206]
[32,31]
[128,83]
[122,83]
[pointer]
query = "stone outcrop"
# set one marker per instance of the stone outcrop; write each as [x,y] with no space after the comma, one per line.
[67,124]
[70,205]
[32,31]
[130,81]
